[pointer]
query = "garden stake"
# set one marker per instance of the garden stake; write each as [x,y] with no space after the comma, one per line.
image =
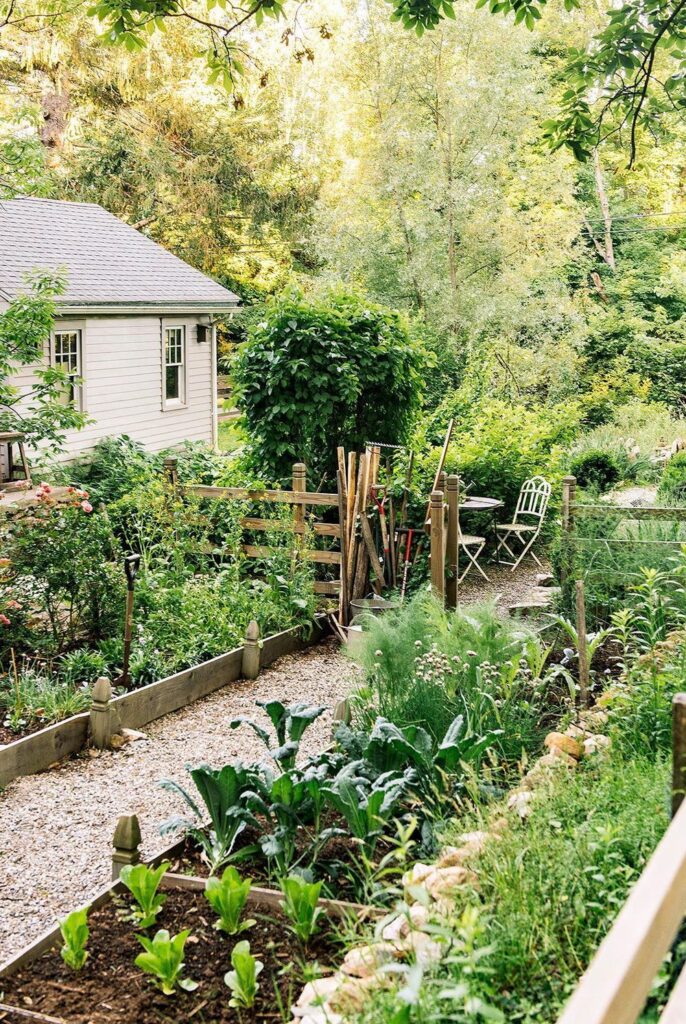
[439,470]
[584,673]
[406,568]
[379,502]
[131,563]
[391,530]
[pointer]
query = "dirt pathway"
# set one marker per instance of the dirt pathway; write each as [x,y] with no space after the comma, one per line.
[56,828]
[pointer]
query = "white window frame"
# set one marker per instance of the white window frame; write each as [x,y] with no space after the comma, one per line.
[77,328]
[178,402]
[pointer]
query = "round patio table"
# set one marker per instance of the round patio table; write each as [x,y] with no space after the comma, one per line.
[475,503]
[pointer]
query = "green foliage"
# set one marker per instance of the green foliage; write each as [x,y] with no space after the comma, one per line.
[227,896]
[367,808]
[596,470]
[317,374]
[65,583]
[143,883]
[607,819]
[290,723]
[28,697]
[24,327]
[75,931]
[672,489]
[163,959]
[242,980]
[223,794]
[300,906]
[423,667]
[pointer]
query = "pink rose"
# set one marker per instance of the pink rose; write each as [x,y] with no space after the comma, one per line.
[86,506]
[13,604]
[4,621]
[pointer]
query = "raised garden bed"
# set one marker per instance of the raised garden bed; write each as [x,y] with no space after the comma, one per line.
[41,749]
[110,989]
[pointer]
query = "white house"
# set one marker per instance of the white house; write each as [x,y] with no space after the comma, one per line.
[135,322]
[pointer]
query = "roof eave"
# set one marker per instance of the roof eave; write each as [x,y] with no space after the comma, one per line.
[156,308]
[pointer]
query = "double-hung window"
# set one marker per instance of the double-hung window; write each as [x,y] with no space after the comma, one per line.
[174,366]
[66,356]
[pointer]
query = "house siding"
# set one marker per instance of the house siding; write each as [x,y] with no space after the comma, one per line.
[122,370]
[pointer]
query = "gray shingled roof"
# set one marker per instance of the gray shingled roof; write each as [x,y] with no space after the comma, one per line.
[107,262]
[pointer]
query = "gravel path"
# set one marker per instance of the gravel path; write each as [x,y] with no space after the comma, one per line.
[56,828]
[505,587]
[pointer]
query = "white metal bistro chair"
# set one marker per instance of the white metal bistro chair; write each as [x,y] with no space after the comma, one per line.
[527,521]
[467,542]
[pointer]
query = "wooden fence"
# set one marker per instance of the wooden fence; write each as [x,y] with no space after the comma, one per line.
[615,987]
[298,498]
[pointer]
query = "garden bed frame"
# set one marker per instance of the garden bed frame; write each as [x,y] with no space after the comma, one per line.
[43,749]
[126,850]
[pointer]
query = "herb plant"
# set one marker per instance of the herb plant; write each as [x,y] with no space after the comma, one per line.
[300,905]
[242,980]
[163,959]
[143,883]
[227,897]
[75,932]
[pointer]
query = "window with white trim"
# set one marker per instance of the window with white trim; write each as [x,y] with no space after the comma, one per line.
[174,366]
[66,356]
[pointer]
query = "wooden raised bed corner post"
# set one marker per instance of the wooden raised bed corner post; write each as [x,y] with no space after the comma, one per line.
[251,652]
[678,750]
[102,725]
[437,545]
[126,844]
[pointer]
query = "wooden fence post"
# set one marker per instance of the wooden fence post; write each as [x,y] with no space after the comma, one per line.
[299,485]
[582,647]
[171,471]
[452,546]
[568,499]
[343,529]
[678,750]
[126,843]
[102,726]
[250,665]
[437,545]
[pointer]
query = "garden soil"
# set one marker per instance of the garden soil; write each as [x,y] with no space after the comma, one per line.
[56,828]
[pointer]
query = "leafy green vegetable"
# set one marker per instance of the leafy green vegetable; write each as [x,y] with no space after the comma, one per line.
[223,792]
[290,723]
[163,959]
[75,932]
[227,897]
[143,883]
[366,807]
[300,905]
[242,980]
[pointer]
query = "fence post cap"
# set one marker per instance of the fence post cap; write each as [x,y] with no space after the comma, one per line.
[569,479]
[679,698]
[437,497]
[127,832]
[252,633]
[102,690]
[453,482]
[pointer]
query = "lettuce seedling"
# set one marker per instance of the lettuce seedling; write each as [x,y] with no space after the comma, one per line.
[300,905]
[242,980]
[227,897]
[75,932]
[163,959]
[143,883]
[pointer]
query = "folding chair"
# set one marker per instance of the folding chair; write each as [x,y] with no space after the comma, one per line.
[466,541]
[526,524]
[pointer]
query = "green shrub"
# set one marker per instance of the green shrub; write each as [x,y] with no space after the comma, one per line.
[596,470]
[673,483]
[317,374]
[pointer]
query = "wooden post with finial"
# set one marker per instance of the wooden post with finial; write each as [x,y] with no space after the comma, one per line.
[251,652]
[126,843]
